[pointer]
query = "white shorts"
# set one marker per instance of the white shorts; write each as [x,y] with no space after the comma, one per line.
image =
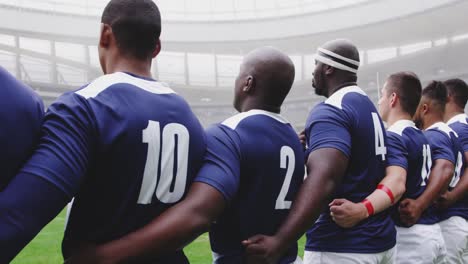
[420,244]
[315,257]
[455,233]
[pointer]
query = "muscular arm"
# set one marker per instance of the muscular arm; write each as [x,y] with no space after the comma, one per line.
[457,193]
[347,214]
[439,179]
[169,232]
[325,168]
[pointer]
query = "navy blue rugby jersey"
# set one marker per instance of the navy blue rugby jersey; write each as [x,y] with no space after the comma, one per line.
[126,147]
[445,145]
[256,161]
[459,124]
[410,149]
[21,113]
[348,121]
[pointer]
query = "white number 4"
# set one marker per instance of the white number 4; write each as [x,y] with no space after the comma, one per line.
[380,148]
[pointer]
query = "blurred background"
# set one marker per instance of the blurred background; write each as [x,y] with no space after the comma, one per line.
[51,44]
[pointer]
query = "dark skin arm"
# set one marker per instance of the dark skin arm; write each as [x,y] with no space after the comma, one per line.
[450,197]
[168,233]
[326,168]
[439,179]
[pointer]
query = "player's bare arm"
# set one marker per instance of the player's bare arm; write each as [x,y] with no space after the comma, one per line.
[439,178]
[170,232]
[325,169]
[448,198]
[347,214]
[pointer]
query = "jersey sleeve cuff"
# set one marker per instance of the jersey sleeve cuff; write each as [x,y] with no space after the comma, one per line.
[218,186]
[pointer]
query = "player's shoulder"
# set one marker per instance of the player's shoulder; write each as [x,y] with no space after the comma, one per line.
[459,123]
[460,118]
[254,117]
[402,127]
[442,128]
[346,96]
[122,80]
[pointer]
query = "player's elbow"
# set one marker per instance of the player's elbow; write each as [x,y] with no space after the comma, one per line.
[200,223]
[447,169]
[400,189]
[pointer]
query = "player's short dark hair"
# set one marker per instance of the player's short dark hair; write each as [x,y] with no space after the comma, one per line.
[136,25]
[408,88]
[437,93]
[458,89]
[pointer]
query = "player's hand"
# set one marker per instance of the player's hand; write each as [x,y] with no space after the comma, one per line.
[302,138]
[346,213]
[445,200]
[410,211]
[263,249]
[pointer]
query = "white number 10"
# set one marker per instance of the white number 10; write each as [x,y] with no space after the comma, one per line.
[165,150]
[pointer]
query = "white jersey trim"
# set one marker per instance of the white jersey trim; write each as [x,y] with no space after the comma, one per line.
[233,121]
[458,118]
[443,127]
[399,126]
[102,83]
[337,98]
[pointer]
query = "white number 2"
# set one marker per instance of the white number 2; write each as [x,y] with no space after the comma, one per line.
[427,164]
[380,148]
[165,150]
[287,158]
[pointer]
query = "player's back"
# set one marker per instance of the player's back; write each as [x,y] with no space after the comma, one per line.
[410,149]
[445,145]
[459,124]
[348,121]
[271,170]
[147,147]
[21,113]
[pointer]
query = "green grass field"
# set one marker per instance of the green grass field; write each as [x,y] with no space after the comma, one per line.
[45,248]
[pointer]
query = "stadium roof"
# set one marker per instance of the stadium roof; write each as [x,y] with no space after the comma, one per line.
[199,10]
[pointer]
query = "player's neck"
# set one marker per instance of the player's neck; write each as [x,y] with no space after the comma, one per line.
[247,106]
[139,68]
[431,119]
[337,85]
[451,111]
[394,117]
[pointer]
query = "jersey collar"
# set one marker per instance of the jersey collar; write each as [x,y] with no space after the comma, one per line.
[275,116]
[400,125]
[458,118]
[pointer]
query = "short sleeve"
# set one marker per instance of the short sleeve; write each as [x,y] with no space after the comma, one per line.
[397,153]
[66,145]
[462,131]
[441,146]
[221,168]
[328,127]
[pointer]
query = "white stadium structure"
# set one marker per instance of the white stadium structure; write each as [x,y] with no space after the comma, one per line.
[51,44]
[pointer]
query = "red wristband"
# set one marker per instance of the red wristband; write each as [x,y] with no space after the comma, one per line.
[387,191]
[369,206]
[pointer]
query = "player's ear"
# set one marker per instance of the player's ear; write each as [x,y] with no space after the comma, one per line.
[157,49]
[328,69]
[106,36]
[249,84]
[393,99]
[425,108]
